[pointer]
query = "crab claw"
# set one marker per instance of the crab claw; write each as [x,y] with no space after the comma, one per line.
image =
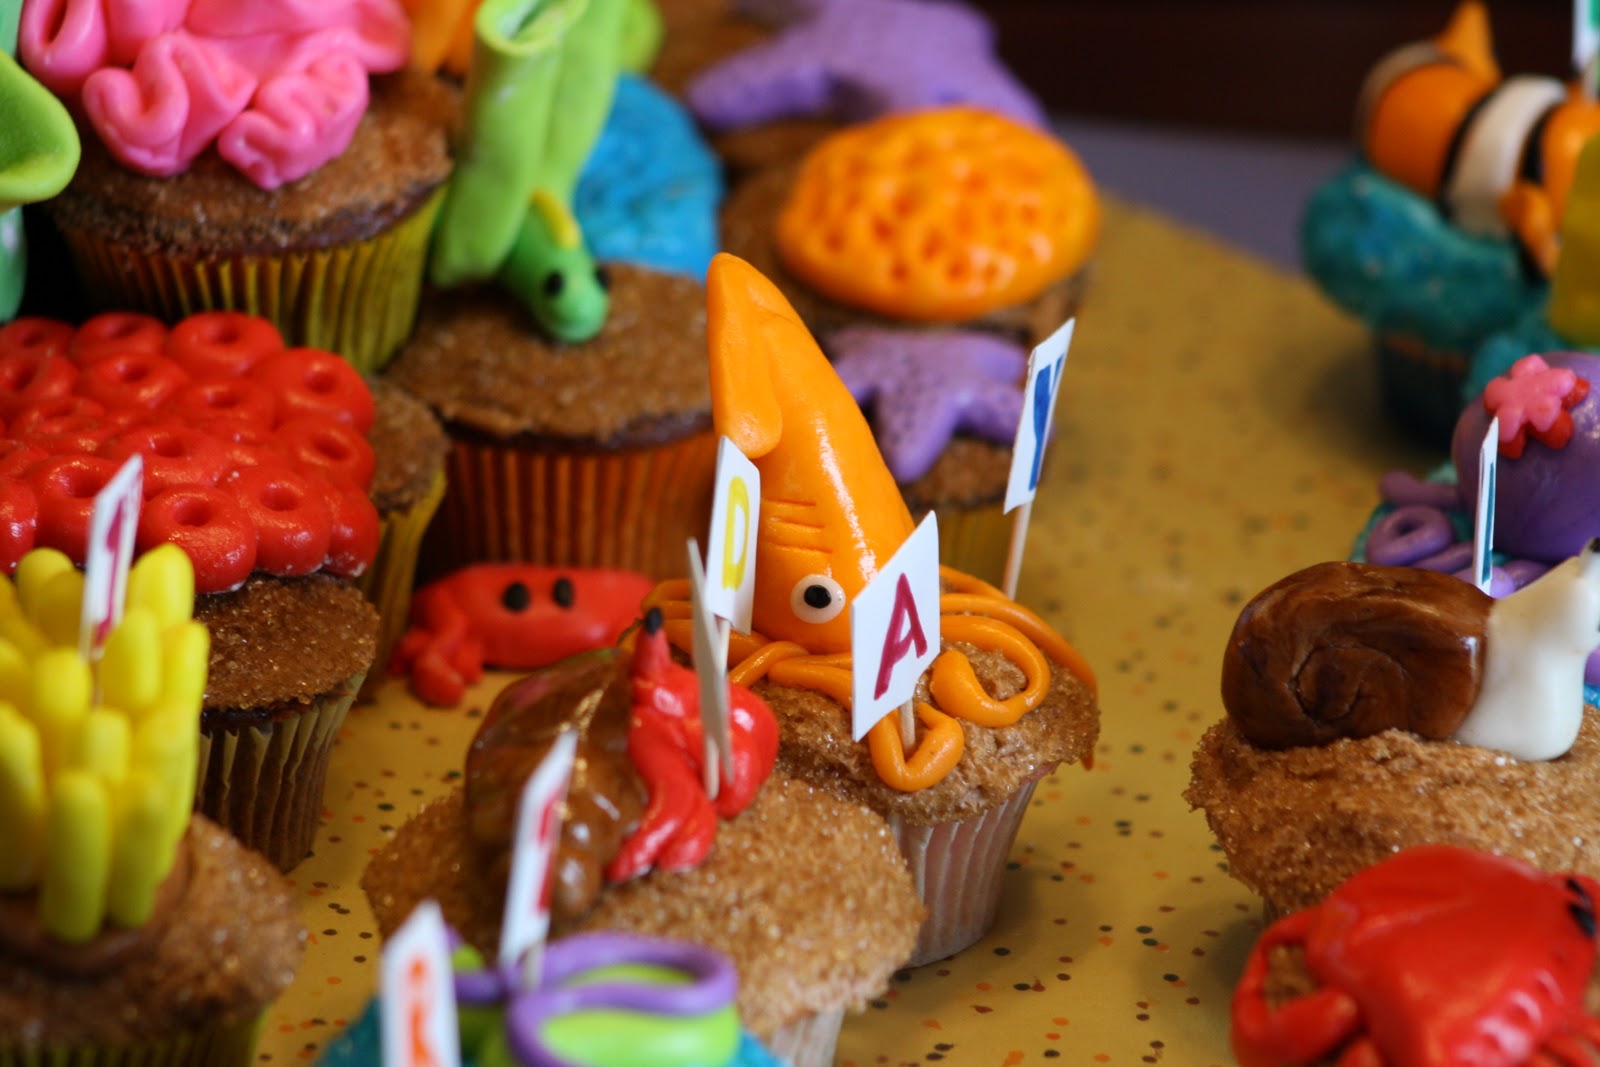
[1304,1030]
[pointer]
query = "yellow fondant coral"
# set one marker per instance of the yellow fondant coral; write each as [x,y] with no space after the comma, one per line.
[938,215]
[97,762]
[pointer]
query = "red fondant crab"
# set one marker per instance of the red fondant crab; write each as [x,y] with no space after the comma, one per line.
[1438,957]
[514,616]
[666,745]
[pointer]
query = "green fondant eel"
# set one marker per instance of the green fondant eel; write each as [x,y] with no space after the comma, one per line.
[507,212]
[38,155]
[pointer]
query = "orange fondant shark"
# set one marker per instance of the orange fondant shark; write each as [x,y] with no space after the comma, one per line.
[831,514]
[1496,154]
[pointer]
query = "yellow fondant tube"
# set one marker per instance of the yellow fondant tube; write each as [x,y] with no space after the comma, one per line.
[22,800]
[130,663]
[143,849]
[77,862]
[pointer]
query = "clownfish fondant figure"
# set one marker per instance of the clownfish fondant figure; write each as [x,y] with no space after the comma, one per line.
[1497,155]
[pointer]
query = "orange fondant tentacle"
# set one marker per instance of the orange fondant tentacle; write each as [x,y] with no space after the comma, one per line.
[670,596]
[953,605]
[754,666]
[937,753]
[955,686]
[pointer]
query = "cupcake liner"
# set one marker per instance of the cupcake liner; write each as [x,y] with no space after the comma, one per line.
[974,540]
[387,584]
[958,868]
[357,299]
[1421,384]
[218,1044]
[809,1042]
[263,782]
[630,508]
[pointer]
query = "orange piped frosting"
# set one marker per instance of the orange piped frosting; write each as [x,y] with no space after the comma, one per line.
[831,515]
[938,216]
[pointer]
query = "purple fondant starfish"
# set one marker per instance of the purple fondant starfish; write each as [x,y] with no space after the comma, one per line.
[925,387]
[858,59]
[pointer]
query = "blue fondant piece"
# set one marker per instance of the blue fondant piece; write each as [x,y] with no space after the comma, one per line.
[1530,333]
[362,1046]
[651,188]
[1385,254]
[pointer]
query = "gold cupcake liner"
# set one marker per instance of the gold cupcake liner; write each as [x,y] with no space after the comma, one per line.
[217,1044]
[357,299]
[263,783]
[387,584]
[974,540]
[958,868]
[808,1042]
[631,508]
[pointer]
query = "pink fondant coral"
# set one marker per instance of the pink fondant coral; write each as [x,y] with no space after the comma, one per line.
[1533,399]
[277,85]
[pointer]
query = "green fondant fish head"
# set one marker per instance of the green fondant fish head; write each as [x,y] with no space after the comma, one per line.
[38,155]
[553,275]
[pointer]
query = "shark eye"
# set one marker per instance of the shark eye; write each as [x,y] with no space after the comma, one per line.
[563,593]
[554,282]
[602,278]
[816,598]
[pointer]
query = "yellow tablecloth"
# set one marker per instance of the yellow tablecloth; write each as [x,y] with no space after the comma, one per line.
[1218,429]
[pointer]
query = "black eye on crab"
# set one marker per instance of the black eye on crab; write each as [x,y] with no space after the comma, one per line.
[1582,909]
[563,593]
[602,278]
[516,597]
[554,283]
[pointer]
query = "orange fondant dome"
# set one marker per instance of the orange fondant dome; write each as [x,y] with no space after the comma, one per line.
[938,215]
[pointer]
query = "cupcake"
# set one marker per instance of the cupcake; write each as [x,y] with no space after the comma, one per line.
[1374,708]
[257,466]
[1436,956]
[130,930]
[1444,232]
[831,62]
[675,1005]
[976,252]
[805,892]
[1006,702]
[591,455]
[408,482]
[290,189]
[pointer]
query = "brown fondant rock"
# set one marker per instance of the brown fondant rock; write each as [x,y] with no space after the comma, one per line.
[1349,650]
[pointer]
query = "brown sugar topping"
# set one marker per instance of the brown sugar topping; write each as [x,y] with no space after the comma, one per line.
[1296,822]
[409,445]
[231,945]
[478,360]
[806,893]
[815,744]
[277,644]
[398,156]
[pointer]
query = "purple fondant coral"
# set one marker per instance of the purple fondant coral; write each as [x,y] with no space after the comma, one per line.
[858,59]
[925,387]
